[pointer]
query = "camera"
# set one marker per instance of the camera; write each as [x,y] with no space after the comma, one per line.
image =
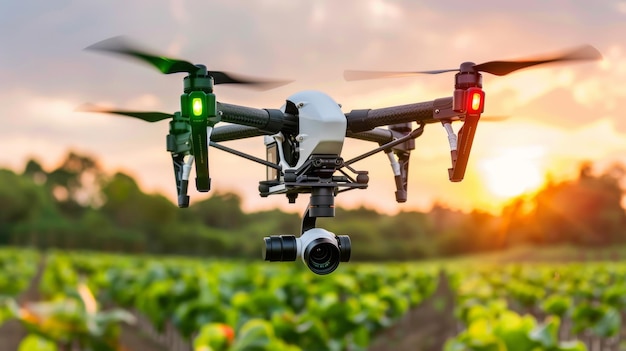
[320,249]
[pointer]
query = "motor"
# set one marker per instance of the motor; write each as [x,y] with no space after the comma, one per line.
[320,249]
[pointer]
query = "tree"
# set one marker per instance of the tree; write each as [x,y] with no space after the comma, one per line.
[583,211]
[129,208]
[75,183]
[22,202]
[222,210]
[35,171]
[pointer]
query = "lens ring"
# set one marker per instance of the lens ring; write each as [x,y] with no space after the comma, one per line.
[322,256]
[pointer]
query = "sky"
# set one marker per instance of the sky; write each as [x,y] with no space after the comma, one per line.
[558,115]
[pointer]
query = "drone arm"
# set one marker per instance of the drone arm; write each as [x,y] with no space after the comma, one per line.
[377,135]
[267,120]
[235,132]
[426,112]
[385,147]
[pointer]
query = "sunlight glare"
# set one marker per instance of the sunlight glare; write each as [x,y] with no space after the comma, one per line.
[513,171]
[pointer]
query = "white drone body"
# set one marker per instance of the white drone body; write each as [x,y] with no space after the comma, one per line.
[322,131]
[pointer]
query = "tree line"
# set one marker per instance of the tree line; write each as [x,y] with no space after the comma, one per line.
[78,206]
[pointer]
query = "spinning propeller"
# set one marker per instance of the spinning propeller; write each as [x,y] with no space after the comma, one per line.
[123,46]
[498,68]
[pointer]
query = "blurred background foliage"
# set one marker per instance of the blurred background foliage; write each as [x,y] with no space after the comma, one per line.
[79,206]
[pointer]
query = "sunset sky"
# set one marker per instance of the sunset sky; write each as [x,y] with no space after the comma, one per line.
[559,115]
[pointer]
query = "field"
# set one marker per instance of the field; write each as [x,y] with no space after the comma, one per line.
[89,301]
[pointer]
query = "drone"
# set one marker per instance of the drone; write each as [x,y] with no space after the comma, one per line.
[304,138]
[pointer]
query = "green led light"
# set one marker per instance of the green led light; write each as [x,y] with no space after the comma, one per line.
[197,106]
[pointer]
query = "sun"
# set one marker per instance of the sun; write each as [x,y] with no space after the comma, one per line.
[513,171]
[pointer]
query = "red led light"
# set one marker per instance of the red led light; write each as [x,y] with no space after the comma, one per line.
[475,101]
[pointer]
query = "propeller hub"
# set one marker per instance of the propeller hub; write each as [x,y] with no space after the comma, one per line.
[202,71]
[468,77]
[467,67]
[199,81]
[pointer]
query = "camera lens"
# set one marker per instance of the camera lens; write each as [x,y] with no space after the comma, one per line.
[322,256]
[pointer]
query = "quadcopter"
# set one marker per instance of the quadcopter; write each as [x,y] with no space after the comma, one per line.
[304,138]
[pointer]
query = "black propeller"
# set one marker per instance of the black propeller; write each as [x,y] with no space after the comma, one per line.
[123,46]
[146,116]
[499,68]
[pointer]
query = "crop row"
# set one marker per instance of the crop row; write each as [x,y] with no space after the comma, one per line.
[574,306]
[336,312]
[238,306]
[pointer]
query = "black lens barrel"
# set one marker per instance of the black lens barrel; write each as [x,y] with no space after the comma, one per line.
[345,247]
[280,248]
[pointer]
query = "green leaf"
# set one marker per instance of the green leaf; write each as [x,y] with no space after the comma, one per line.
[571,346]
[213,337]
[514,331]
[609,324]
[557,305]
[480,337]
[546,334]
[37,343]
[254,335]
[615,296]
[455,345]
[584,316]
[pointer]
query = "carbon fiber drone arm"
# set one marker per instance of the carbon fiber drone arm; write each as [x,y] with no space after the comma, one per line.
[426,112]
[362,124]
[267,120]
[359,121]
[235,132]
[377,135]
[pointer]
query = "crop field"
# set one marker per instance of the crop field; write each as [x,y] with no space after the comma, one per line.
[89,301]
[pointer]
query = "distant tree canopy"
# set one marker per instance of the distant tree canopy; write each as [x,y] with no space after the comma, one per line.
[585,211]
[78,206]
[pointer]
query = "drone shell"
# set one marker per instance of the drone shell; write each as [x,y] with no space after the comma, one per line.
[324,122]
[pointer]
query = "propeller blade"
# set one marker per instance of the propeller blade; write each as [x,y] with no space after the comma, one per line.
[220,77]
[123,46]
[234,132]
[500,68]
[350,75]
[146,116]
